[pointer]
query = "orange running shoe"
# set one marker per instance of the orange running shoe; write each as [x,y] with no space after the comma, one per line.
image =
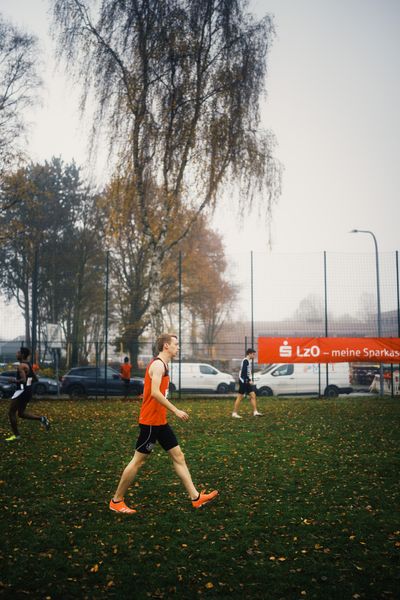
[121,507]
[204,498]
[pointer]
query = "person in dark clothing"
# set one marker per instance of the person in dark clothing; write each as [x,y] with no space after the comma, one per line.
[246,385]
[25,377]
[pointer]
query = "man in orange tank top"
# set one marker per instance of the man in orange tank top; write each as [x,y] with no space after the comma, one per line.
[125,374]
[154,427]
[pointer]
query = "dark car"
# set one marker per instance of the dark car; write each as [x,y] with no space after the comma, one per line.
[90,381]
[6,388]
[44,385]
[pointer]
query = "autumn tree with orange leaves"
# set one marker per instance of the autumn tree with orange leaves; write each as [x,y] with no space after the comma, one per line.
[208,295]
[206,292]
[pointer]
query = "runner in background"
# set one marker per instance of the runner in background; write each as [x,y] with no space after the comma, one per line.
[25,377]
[125,374]
[246,385]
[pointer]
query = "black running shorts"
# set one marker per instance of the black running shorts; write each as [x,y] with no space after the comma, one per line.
[23,400]
[246,387]
[150,434]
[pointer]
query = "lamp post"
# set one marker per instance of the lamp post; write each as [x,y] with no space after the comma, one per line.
[378,298]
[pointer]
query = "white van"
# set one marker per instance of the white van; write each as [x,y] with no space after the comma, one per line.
[200,377]
[304,378]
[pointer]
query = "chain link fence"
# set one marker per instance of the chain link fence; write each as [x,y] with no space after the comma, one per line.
[296,295]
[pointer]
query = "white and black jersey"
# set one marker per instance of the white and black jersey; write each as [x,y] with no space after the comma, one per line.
[29,378]
[245,374]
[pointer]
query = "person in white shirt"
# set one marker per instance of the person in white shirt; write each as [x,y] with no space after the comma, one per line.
[246,385]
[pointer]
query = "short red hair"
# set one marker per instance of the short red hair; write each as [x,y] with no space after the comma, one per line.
[164,338]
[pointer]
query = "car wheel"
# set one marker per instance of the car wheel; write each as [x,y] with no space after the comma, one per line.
[331,391]
[264,391]
[76,390]
[40,389]
[223,388]
[2,394]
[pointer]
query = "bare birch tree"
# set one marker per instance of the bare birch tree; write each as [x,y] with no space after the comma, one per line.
[177,86]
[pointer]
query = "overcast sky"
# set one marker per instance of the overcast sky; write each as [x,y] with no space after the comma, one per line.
[333,103]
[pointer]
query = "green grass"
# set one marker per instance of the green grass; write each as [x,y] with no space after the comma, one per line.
[308,505]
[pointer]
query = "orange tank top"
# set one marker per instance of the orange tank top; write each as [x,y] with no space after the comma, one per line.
[152,412]
[125,370]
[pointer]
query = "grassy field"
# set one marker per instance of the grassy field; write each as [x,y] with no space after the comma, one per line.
[308,505]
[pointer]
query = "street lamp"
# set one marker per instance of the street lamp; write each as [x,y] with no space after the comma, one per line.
[378,297]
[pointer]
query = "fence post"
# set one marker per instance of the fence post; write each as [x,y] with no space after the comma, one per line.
[326,314]
[106,324]
[398,293]
[252,310]
[56,360]
[96,345]
[35,278]
[398,302]
[252,299]
[180,322]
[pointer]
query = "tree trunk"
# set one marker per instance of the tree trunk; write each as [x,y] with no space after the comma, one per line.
[133,349]
[155,279]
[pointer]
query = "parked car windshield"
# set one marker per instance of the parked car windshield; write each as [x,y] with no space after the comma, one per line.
[267,368]
[207,370]
[283,370]
[93,372]
[82,372]
[111,373]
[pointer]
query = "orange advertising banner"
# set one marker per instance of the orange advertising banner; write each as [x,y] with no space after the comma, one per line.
[327,350]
